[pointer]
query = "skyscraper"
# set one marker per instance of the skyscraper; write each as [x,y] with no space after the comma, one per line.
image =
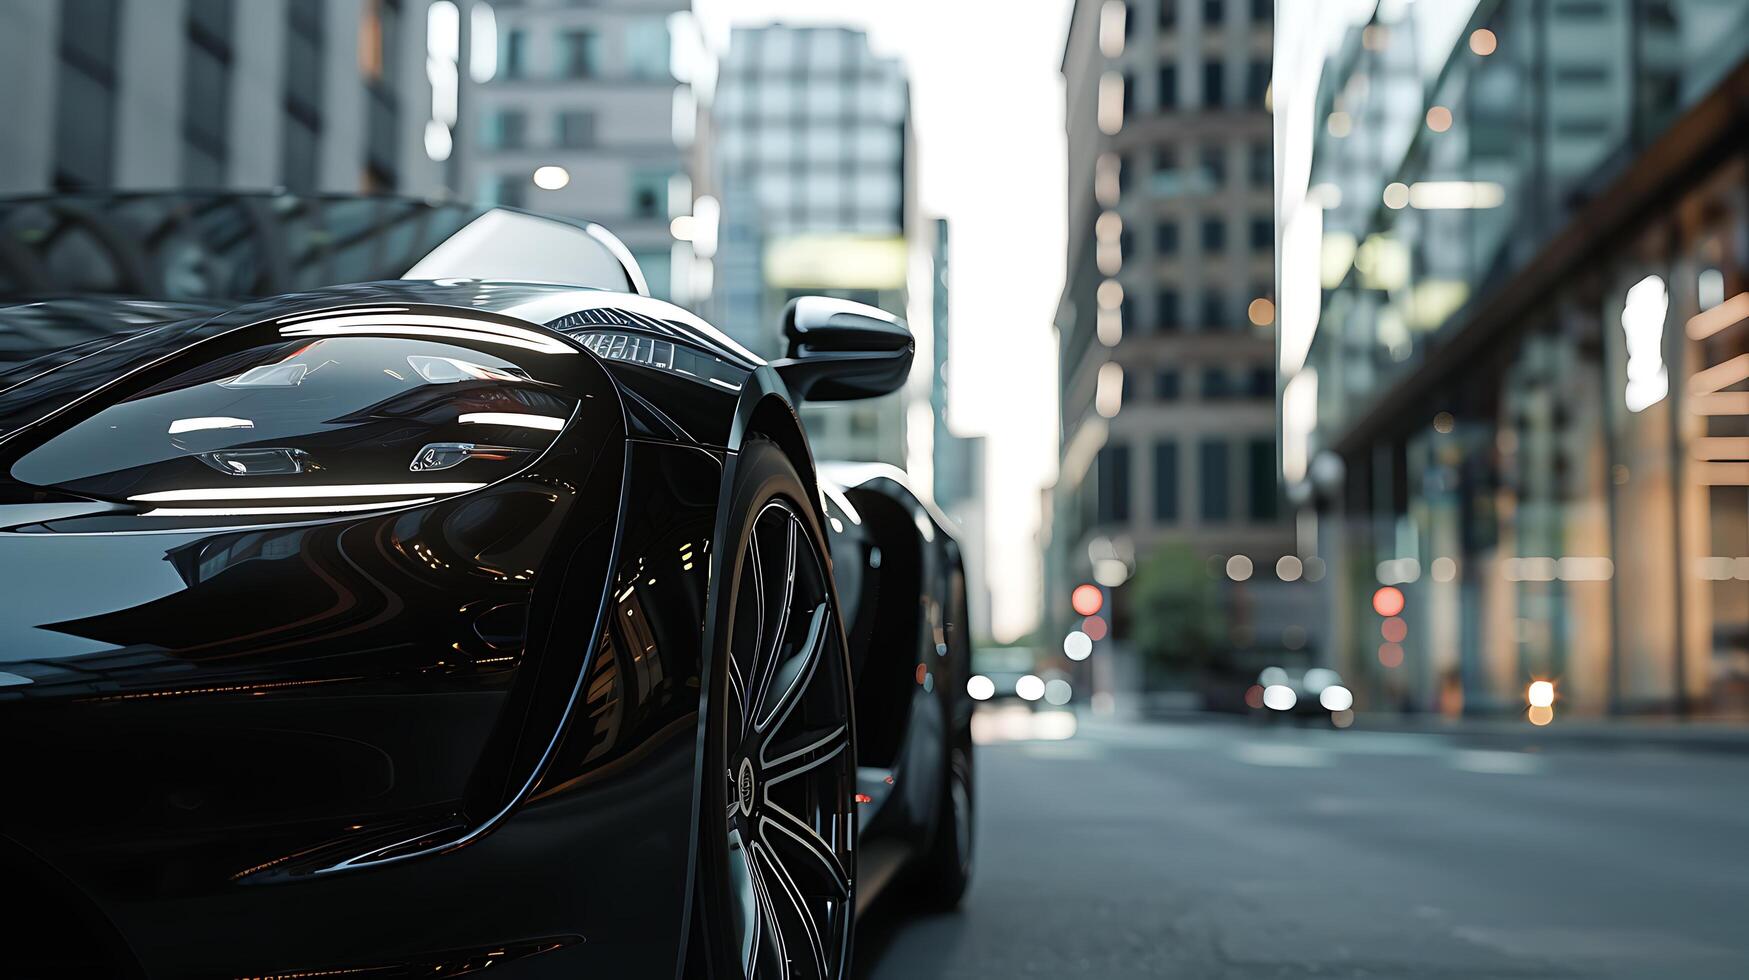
[583,114]
[814,163]
[328,95]
[1166,322]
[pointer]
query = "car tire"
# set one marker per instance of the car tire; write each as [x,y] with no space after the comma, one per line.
[945,870]
[777,874]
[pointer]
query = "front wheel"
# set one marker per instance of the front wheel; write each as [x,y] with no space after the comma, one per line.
[778,824]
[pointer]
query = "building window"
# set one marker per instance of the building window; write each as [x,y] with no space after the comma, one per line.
[506,129]
[1257,83]
[1263,234]
[1263,11]
[576,129]
[1262,166]
[1213,480]
[1166,237]
[580,54]
[1215,385]
[1213,317]
[508,189]
[514,58]
[1167,182]
[647,48]
[85,115]
[1214,85]
[1213,12]
[1214,235]
[1169,87]
[380,32]
[1113,485]
[206,87]
[1166,481]
[301,131]
[1262,383]
[1168,14]
[1167,385]
[1167,310]
[1129,95]
[1260,495]
[649,193]
[1214,167]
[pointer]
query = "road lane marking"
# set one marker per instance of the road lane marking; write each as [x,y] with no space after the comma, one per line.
[1281,754]
[1495,763]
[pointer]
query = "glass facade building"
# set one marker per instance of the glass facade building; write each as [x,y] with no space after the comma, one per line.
[1513,347]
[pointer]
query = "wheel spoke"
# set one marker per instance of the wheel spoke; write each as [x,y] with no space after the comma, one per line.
[786,888]
[805,851]
[790,678]
[802,753]
[771,932]
[771,646]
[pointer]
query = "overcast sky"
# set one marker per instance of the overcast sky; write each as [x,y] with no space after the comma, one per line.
[987,106]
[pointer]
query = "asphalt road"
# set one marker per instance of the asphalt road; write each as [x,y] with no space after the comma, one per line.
[1230,851]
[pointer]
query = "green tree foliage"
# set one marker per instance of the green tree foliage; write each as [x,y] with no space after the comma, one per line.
[1178,622]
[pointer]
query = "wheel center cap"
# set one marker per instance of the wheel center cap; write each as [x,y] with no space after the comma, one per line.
[744,787]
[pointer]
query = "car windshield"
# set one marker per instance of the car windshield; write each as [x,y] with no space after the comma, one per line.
[201,246]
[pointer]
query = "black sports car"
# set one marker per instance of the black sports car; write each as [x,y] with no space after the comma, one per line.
[397,589]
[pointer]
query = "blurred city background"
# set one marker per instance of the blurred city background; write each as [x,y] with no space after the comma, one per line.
[1343,404]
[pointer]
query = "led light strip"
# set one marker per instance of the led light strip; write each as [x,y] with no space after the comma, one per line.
[550,423]
[299,493]
[255,511]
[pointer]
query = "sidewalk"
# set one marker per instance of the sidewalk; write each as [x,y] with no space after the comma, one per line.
[1619,735]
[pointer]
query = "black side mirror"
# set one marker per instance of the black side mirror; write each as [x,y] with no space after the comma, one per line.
[839,350]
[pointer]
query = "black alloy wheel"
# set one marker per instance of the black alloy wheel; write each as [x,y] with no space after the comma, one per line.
[785,822]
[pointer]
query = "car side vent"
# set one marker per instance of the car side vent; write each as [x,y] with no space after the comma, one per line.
[606,317]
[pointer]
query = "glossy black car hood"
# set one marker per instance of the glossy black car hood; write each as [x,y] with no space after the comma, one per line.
[52,351]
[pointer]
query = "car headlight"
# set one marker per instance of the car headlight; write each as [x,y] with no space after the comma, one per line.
[329,413]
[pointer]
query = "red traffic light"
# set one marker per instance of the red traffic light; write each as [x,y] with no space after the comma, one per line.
[1387,601]
[1086,600]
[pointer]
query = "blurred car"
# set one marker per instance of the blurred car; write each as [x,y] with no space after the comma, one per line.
[1009,675]
[1281,692]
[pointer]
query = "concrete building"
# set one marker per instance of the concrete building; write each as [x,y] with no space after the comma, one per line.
[1166,323]
[814,160]
[330,95]
[582,113]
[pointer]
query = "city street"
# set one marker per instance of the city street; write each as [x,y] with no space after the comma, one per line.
[1225,850]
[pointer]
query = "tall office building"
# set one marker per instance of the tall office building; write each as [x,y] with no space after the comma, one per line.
[330,95]
[1166,322]
[1515,281]
[583,113]
[814,161]
[957,462]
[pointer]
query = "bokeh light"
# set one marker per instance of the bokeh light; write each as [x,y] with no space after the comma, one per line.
[1238,568]
[1094,627]
[1254,696]
[1483,41]
[1540,715]
[1394,630]
[1391,654]
[1388,601]
[1279,697]
[1439,118]
[981,688]
[1540,694]
[551,178]
[1077,645]
[1058,691]
[1336,698]
[1030,687]
[1086,600]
